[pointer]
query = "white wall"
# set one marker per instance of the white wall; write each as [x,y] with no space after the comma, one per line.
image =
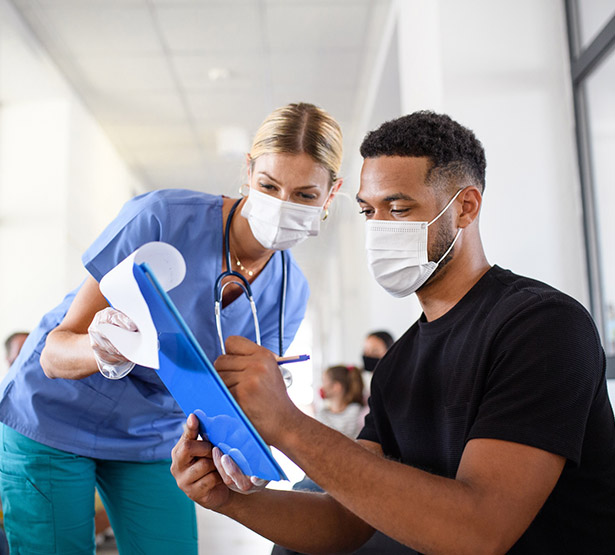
[510,82]
[501,68]
[61,180]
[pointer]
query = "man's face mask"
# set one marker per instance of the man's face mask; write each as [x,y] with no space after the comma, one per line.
[397,253]
[277,224]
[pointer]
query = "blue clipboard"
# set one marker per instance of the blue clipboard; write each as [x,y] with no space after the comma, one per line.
[196,386]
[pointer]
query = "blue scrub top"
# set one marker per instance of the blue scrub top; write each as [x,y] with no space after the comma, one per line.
[135,418]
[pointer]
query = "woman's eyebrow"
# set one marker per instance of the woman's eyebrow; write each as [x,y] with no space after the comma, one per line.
[270,177]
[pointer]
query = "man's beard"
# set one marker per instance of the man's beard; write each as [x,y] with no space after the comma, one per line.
[442,242]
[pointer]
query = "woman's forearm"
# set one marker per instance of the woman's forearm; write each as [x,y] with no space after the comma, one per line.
[68,355]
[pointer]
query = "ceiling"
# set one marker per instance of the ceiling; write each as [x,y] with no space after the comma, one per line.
[180,86]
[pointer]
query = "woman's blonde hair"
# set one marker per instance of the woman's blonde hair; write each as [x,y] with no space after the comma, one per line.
[301,128]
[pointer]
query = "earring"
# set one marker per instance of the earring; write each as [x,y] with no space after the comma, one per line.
[242,189]
[326,214]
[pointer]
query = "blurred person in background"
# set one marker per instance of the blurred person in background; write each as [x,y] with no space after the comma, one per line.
[104,533]
[13,345]
[342,393]
[12,348]
[375,346]
[343,398]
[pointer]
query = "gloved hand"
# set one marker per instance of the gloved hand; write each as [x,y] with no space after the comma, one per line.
[233,477]
[111,363]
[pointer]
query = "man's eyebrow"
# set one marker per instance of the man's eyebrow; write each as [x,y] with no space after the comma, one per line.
[399,196]
[391,198]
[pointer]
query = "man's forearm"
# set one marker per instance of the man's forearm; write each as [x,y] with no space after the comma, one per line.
[301,521]
[427,512]
[498,489]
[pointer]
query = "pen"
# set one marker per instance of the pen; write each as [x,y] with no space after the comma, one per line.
[296,358]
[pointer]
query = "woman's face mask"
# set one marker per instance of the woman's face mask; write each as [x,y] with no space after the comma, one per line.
[287,195]
[277,224]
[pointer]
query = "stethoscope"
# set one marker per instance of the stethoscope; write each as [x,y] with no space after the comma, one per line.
[240,280]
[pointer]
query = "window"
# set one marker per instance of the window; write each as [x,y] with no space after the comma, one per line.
[591,26]
[593,15]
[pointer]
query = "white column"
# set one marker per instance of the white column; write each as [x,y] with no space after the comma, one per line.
[420,58]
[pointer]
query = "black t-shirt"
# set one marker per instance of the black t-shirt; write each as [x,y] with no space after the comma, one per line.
[514,360]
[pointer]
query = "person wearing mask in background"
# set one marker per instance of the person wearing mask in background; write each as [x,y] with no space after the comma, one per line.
[375,346]
[61,437]
[490,429]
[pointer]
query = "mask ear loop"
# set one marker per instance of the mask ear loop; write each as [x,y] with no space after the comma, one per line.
[458,231]
[446,207]
[450,248]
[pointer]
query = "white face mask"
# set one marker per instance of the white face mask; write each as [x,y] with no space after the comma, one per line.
[278,224]
[397,253]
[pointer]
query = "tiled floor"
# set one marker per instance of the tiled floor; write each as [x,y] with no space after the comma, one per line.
[219,535]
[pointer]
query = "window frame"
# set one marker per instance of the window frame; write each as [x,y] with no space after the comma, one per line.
[583,61]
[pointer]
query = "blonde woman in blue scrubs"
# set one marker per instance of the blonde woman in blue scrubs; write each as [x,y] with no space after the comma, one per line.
[64,436]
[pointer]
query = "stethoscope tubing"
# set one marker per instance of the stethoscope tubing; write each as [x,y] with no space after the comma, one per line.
[240,280]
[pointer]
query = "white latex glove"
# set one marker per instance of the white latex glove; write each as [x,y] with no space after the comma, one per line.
[111,363]
[233,477]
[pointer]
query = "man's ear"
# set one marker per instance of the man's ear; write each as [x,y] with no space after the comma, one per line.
[470,201]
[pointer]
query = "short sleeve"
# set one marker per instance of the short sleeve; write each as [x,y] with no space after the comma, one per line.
[140,220]
[377,427]
[369,432]
[547,366]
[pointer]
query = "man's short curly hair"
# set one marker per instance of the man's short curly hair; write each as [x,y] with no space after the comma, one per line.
[454,150]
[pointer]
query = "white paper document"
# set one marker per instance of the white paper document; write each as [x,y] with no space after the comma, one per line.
[122,291]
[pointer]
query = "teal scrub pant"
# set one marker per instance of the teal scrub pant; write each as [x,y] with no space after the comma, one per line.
[48,502]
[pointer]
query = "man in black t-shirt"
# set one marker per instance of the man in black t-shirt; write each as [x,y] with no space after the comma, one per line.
[490,428]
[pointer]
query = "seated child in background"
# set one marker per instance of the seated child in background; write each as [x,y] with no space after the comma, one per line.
[342,393]
[343,396]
